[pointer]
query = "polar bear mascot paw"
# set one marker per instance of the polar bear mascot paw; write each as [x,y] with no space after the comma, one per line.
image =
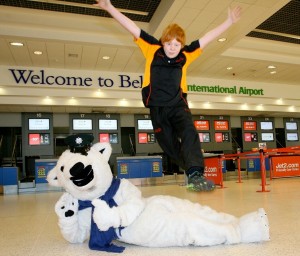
[98,208]
[254,227]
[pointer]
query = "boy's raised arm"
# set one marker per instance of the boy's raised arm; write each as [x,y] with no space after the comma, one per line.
[233,17]
[127,23]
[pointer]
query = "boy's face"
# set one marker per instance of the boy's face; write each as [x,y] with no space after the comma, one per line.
[172,48]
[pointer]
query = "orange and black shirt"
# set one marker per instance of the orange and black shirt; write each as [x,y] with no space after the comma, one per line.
[164,83]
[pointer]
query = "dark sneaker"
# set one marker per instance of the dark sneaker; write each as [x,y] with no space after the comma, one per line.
[198,182]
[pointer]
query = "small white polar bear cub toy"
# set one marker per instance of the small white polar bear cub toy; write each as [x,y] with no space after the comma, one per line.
[101,208]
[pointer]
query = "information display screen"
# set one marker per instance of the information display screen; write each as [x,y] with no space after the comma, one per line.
[292,136]
[267,136]
[145,124]
[201,125]
[221,125]
[146,137]
[108,137]
[266,125]
[250,137]
[38,124]
[108,124]
[82,124]
[291,126]
[204,137]
[249,126]
[222,137]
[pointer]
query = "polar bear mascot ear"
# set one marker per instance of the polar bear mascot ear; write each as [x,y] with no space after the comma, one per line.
[104,148]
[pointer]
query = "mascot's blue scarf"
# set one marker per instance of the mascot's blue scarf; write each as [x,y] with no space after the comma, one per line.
[102,240]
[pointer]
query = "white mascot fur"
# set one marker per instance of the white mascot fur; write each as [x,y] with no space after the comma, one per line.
[101,208]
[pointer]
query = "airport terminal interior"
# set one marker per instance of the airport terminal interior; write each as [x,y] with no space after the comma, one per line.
[66,67]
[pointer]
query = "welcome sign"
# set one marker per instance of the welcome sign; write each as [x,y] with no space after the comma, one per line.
[88,79]
[41,77]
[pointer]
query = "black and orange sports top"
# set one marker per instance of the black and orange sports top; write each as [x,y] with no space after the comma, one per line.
[164,82]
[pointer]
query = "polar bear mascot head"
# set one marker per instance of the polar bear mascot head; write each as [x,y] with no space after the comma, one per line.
[83,169]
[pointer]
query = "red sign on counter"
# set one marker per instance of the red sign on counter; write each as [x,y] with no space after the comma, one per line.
[143,138]
[103,137]
[285,166]
[212,170]
[34,139]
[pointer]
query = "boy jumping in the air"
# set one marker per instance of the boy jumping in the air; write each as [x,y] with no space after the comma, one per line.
[164,90]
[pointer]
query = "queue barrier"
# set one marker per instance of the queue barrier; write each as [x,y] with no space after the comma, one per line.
[283,162]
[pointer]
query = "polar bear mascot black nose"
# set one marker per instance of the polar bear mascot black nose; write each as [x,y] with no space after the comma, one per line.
[100,208]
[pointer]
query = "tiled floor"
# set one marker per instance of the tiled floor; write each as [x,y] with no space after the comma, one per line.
[28,224]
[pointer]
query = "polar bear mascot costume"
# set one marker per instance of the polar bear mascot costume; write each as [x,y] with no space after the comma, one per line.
[101,208]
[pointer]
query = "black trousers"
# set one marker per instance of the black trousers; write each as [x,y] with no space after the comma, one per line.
[177,136]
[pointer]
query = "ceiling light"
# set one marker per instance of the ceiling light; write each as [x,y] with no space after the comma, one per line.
[38,52]
[292,108]
[229,68]
[273,72]
[16,44]
[228,99]
[106,57]
[244,106]
[206,104]
[223,39]
[271,67]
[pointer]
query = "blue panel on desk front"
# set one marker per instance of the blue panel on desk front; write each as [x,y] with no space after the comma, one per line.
[1,176]
[253,165]
[145,168]
[9,176]
[139,167]
[134,169]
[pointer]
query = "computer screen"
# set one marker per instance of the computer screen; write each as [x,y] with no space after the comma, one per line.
[38,124]
[108,124]
[82,124]
[145,124]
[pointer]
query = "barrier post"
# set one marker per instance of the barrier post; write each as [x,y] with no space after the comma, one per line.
[271,168]
[239,170]
[262,171]
[220,170]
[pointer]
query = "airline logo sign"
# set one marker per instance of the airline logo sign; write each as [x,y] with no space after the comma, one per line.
[286,166]
[211,170]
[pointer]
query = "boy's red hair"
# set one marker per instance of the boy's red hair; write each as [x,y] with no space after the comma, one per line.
[173,31]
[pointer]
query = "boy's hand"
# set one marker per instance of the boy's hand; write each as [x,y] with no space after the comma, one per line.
[234,14]
[103,4]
